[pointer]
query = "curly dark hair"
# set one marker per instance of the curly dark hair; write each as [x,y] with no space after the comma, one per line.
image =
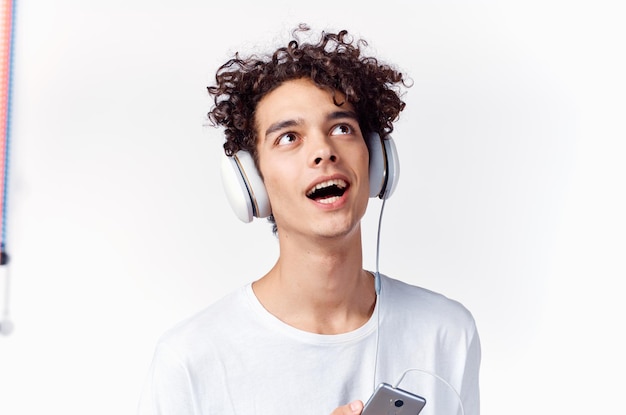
[334,63]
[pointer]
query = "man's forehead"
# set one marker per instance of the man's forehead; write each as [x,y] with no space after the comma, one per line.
[295,102]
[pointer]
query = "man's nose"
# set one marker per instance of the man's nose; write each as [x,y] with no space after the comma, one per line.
[323,151]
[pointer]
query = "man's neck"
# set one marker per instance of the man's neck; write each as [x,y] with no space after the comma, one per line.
[319,288]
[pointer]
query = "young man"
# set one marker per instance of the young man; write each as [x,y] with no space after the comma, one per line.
[316,333]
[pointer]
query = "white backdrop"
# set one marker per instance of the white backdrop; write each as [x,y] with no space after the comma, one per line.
[511,195]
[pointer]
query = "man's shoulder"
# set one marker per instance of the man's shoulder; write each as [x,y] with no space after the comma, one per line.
[206,323]
[410,299]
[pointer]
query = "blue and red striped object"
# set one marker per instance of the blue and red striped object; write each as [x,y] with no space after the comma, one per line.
[6,60]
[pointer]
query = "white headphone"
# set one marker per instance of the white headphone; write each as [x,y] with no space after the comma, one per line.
[248,198]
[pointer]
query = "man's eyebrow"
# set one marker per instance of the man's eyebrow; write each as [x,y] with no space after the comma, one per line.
[337,115]
[277,126]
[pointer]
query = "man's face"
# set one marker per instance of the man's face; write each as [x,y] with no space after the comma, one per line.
[313,160]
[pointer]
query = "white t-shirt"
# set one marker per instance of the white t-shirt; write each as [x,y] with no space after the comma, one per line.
[235,358]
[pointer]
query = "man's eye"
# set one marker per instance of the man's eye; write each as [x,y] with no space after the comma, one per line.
[286,139]
[342,129]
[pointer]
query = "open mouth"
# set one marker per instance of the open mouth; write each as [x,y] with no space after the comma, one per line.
[328,191]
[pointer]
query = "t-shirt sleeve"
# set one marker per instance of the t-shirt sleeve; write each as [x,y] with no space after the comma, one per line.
[470,393]
[168,389]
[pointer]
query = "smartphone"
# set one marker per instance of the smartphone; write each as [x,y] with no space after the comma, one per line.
[387,400]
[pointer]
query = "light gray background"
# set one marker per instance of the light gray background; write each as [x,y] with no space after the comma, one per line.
[511,195]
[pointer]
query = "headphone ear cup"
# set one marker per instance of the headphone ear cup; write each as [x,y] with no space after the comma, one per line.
[244,187]
[384,168]
[393,167]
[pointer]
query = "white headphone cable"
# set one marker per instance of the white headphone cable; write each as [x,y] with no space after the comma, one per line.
[377,288]
[377,275]
[445,382]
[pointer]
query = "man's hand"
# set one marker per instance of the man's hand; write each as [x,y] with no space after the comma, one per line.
[353,408]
